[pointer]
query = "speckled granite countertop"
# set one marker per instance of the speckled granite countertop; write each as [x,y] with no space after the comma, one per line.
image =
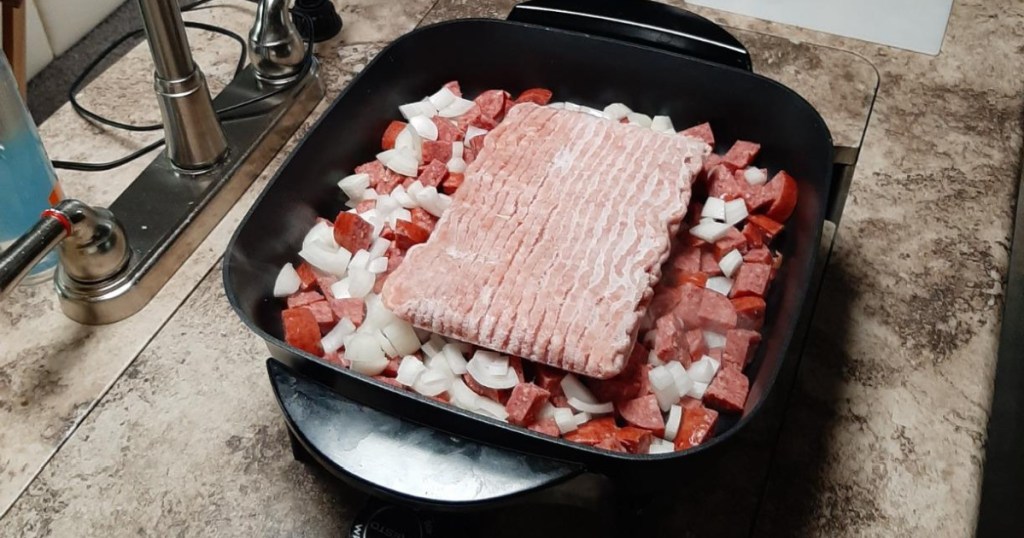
[165,423]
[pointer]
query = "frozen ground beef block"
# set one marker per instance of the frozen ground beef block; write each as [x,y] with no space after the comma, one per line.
[554,242]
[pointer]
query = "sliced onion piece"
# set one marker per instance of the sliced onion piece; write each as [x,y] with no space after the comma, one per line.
[592,408]
[409,370]
[714,340]
[385,344]
[458,149]
[675,418]
[432,201]
[456,361]
[402,336]
[456,165]
[616,111]
[377,265]
[714,208]
[564,420]
[662,124]
[479,370]
[698,390]
[456,108]
[703,370]
[434,345]
[424,127]
[463,397]
[287,281]
[397,215]
[572,107]
[379,247]
[333,262]
[364,349]
[374,217]
[360,282]
[582,418]
[472,132]
[432,382]
[735,211]
[574,388]
[340,289]
[354,185]
[377,315]
[492,409]
[335,338]
[400,161]
[556,105]
[636,118]
[652,357]
[755,176]
[419,108]
[386,204]
[720,284]
[546,412]
[402,197]
[359,260]
[664,387]
[661,446]
[592,112]
[730,263]
[322,234]
[442,98]
[680,377]
[410,142]
[710,231]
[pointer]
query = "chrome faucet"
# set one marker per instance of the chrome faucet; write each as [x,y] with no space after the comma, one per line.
[114,261]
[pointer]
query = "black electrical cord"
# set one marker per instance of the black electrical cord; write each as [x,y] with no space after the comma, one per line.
[222,113]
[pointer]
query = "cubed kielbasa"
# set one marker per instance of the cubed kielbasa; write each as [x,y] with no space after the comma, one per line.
[323,314]
[741,154]
[697,424]
[352,232]
[525,402]
[701,132]
[728,391]
[751,279]
[642,412]
[634,440]
[301,330]
[739,347]
[352,309]
[716,312]
[303,298]
[749,312]
[433,173]
[547,426]
[688,309]
[670,340]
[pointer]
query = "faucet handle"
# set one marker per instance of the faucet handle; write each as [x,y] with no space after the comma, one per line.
[276,49]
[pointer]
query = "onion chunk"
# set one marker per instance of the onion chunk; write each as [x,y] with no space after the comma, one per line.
[287,281]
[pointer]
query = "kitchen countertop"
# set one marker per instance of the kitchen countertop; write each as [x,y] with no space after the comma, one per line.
[165,422]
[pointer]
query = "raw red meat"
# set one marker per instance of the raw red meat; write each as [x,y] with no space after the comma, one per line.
[670,340]
[594,431]
[453,183]
[408,234]
[422,218]
[634,440]
[768,227]
[734,240]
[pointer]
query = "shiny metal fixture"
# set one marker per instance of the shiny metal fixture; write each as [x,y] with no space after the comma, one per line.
[275,48]
[110,268]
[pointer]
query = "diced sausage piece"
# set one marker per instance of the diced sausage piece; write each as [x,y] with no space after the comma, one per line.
[337,357]
[323,315]
[366,205]
[758,255]
[688,309]
[540,96]
[374,169]
[408,234]
[547,426]
[630,383]
[453,87]
[352,232]
[303,298]
[687,260]
[492,105]
[525,402]
[751,279]
[783,191]
[642,412]
[301,330]
[710,163]
[769,228]
[734,240]
[749,312]
[422,218]
[307,276]
[709,263]
[446,130]
[491,394]
[722,183]
[741,154]
[391,133]
[452,183]
[433,173]
[670,340]
[611,443]
[697,279]
[697,425]
[702,131]
[548,378]
[716,312]
[755,239]
[432,150]
[728,390]
[324,283]
[391,370]
[739,347]
[594,431]
[695,343]
[716,354]
[352,309]
[471,117]
[634,440]
[665,300]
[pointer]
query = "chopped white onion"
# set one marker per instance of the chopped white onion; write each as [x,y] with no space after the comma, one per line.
[424,127]
[287,281]
[442,98]
[359,260]
[409,370]
[703,370]
[456,361]
[340,289]
[377,315]
[419,108]
[592,112]
[385,344]
[399,214]
[333,340]
[664,387]
[386,204]
[465,347]
[735,211]
[492,409]
[364,349]
[714,340]
[354,185]
[660,446]
[400,161]
[720,284]
[662,124]
[410,142]
[564,420]
[377,265]
[333,262]
[581,418]
[414,188]
[456,165]
[434,345]
[636,118]
[379,247]
[432,382]
[574,388]
[592,408]
[679,376]
[755,176]
[616,111]
[458,149]
[572,107]
[463,397]
[432,201]
[546,412]
[710,231]
[374,218]
[322,234]
[556,105]
[472,132]
[652,357]
[402,336]
[456,108]
[492,362]
[675,418]
[402,197]
[698,390]
[714,208]
[479,369]
[360,282]
[731,262]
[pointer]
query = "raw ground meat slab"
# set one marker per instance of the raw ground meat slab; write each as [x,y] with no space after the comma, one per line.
[552,245]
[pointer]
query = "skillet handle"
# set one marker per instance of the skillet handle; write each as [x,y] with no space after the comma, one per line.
[639,21]
[401,460]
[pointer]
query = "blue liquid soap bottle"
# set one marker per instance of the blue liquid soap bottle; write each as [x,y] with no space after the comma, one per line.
[28,184]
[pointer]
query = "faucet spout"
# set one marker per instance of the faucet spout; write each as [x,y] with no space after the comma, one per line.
[275,47]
